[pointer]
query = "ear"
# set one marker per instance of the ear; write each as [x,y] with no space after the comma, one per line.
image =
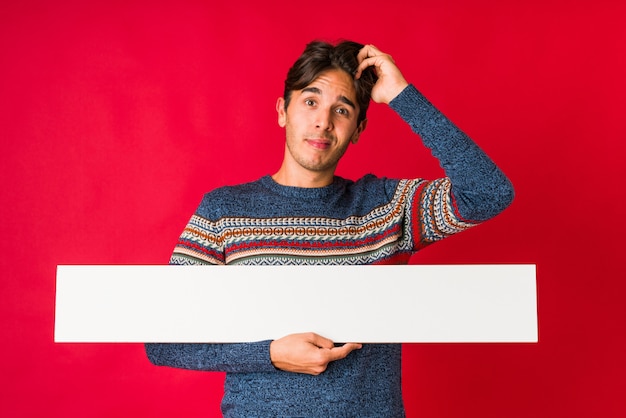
[358,131]
[282,114]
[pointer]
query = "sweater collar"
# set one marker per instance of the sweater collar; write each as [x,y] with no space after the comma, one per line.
[304,192]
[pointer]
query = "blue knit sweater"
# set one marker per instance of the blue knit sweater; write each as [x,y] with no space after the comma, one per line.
[370,221]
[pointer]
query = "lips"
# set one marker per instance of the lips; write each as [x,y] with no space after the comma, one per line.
[319,143]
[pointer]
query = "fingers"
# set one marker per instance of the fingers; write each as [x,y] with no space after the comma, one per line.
[366,52]
[307,353]
[370,56]
[390,80]
[327,355]
[369,51]
[338,353]
[319,341]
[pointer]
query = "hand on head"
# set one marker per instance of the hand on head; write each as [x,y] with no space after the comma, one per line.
[390,80]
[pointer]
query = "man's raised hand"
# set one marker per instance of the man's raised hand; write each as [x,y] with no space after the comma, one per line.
[390,80]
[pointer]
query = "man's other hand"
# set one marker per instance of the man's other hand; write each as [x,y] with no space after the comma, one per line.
[307,353]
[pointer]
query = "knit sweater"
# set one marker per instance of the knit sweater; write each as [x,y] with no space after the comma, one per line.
[369,221]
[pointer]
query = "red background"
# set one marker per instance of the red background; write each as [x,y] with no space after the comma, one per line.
[115,119]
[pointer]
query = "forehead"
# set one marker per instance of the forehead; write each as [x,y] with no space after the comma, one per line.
[334,83]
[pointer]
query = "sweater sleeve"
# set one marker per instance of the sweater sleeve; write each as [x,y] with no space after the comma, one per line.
[479,189]
[234,358]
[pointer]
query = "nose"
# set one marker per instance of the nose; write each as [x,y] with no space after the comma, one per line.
[323,120]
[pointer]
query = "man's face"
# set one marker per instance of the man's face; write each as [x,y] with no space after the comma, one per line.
[320,122]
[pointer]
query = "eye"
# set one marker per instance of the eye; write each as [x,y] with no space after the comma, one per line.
[342,111]
[309,102]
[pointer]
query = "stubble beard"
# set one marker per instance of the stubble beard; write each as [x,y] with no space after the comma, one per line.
[328,164]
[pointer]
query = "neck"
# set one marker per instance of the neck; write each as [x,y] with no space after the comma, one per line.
[303,178]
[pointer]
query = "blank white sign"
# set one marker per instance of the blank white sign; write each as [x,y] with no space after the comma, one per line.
[368,304]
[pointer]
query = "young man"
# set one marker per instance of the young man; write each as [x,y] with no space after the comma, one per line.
[304,214]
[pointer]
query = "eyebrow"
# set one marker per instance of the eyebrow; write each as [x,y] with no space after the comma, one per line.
[343,99]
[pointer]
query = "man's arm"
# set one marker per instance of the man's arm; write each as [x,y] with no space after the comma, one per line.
[299,353]
[480,189]
[235,358]
[198,246]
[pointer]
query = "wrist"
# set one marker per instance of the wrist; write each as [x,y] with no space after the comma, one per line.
[396,90]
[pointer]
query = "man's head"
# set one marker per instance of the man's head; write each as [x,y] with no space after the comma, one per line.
[319,57]
[323,111]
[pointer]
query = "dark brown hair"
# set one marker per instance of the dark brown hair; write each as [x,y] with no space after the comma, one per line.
[319,56]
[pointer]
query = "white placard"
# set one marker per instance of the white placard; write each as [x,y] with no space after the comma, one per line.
[369,304]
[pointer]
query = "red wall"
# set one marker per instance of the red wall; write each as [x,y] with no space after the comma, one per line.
[115,118]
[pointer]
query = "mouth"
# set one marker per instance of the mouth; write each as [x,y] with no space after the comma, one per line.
[319,143]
